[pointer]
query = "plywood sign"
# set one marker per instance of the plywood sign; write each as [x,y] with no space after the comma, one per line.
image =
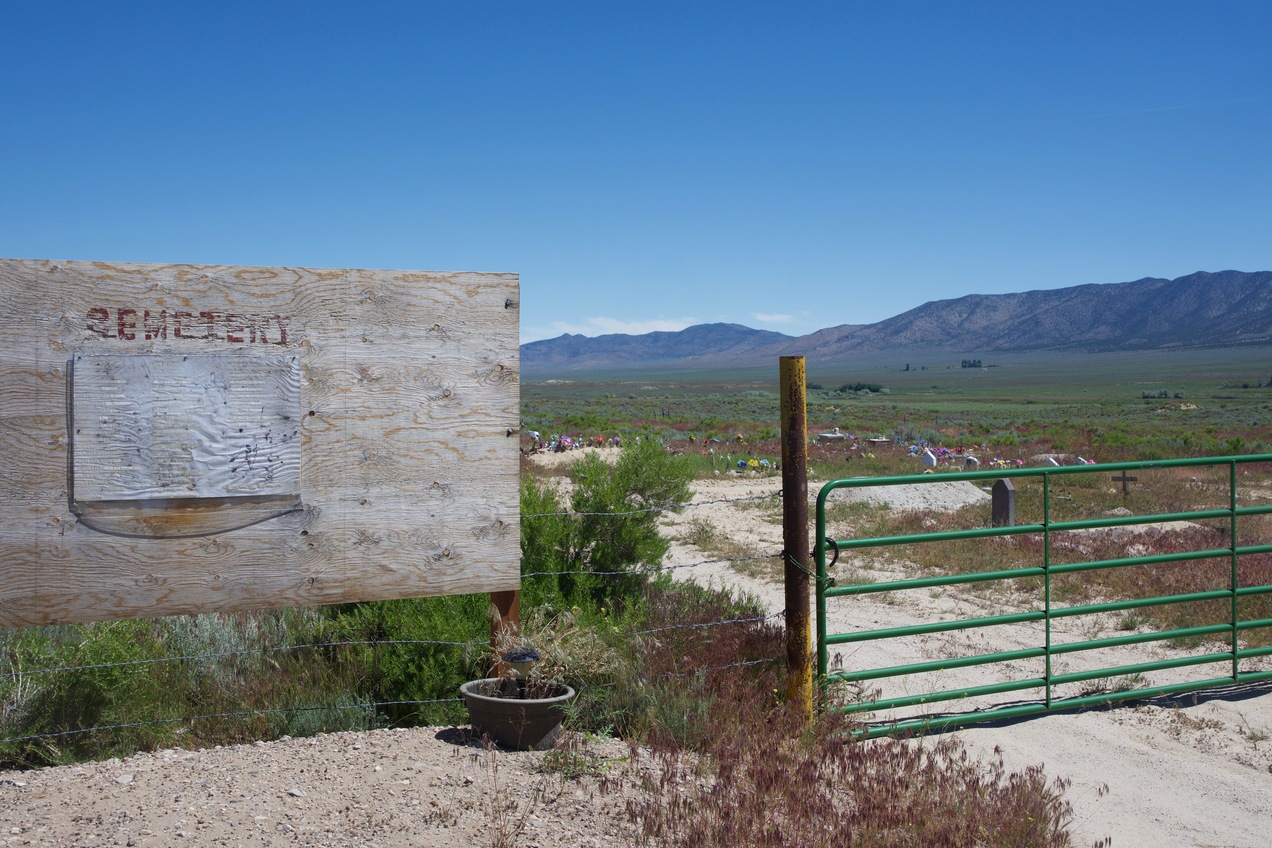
[179,438]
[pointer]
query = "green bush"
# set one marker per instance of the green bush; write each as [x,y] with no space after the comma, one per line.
[1004,438]
[590,552]
[415,649]
[96,689]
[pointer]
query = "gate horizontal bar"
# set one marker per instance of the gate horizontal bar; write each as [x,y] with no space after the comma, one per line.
[929,724]
[1153,559]
[1061,527]
[1141,638]
[936,627]
[1053,471]
[1068,648]
[945,536]
[936,665]
[946,695]
[932,582]
[1139,668]
[1140,603]
[1246,653]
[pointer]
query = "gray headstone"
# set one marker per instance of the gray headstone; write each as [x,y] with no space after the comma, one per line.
[1004,504]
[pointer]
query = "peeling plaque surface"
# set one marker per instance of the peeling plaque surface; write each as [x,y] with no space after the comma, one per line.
[147,427]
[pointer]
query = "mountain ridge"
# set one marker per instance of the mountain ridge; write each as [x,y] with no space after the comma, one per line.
[1204,309]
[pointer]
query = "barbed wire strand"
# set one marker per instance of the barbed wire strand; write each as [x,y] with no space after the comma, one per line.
[239,714]
[705,669]
[275,649]
[742,664]
[651,569]
[245,652]
[753,620]
[671,508]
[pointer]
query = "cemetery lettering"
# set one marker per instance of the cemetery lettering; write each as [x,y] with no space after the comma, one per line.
[128,324]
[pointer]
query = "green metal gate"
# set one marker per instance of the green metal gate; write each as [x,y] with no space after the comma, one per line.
[1231,522]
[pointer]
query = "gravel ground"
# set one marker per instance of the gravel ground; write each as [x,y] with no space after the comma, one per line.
[422,787]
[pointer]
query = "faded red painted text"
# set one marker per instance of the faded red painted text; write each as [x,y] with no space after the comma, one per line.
[128,324]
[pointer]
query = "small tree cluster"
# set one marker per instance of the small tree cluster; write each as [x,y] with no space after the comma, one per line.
[873,388]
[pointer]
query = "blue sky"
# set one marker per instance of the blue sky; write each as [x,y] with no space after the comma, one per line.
[788,166]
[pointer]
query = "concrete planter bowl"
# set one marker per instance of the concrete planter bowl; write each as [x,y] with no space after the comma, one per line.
[496,708]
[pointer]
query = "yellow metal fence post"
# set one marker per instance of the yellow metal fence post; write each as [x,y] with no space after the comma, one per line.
[799,651]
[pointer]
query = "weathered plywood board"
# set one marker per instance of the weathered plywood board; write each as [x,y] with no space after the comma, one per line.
[151,426]
[374,407]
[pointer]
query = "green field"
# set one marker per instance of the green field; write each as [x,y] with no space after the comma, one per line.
[1109,407]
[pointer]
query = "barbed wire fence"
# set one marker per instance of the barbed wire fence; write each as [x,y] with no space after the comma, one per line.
[17,684]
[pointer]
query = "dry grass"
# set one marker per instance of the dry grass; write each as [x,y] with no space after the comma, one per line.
[820,789]
[736,767]
[748,559]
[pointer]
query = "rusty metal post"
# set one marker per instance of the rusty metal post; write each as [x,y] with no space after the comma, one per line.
[505,621]
[799,650]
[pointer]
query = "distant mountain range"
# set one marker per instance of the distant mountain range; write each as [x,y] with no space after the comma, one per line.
[1223,309]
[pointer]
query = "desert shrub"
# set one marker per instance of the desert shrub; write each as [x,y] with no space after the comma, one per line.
[335,712]
[221,679]
[931,437]
[908,435]
[545,537]
[612,525]
[1004,437]
[702,534]
[144,682]
[410,650]
[95,689]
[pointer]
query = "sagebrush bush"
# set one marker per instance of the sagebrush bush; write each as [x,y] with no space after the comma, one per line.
[611,527]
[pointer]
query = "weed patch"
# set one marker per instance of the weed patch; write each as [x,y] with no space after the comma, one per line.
[818,788]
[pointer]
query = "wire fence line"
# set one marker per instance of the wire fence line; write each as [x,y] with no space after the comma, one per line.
[159,722]
[19,676]
[647,510]
[653,569]
[221,655]
[753,620]
[362,705]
